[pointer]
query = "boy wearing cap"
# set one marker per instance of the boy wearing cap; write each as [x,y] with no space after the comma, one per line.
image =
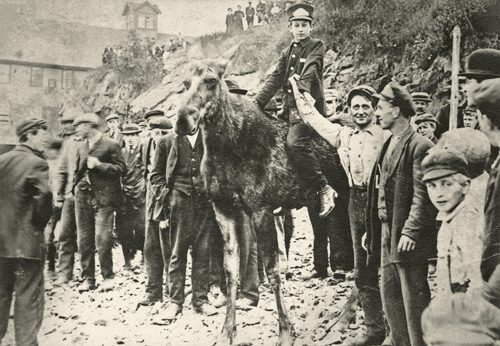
[401,230]
[130,222]
[470,118]
[303,60]
[459,242]
[113,121]
[358,149]
[26,207]
[426,125]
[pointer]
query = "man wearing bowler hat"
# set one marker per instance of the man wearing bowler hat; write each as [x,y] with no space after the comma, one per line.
[400,225]
[25,209]
[97,190]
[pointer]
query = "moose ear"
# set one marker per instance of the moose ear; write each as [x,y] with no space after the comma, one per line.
[195,52]
[230,53]
[221,66]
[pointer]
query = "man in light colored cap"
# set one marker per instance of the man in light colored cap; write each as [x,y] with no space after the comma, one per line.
[26,207]
[114,124]
[358,150]
[421,100]
[97,190]
[401,229]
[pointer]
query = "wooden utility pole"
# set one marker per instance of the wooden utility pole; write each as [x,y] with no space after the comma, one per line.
[455,67]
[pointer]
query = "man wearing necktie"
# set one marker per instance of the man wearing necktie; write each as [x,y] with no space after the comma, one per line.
[114,132]
[97,190]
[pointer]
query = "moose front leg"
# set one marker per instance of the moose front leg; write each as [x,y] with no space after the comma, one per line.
[229,224]
[268,243]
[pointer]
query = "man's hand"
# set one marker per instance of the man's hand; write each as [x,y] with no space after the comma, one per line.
[93,162]
[364,245]
[406,244]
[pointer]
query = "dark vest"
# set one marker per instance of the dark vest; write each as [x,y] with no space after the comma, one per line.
[186,176]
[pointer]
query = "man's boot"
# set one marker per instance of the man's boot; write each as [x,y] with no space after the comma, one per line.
[328,195]
[374,319]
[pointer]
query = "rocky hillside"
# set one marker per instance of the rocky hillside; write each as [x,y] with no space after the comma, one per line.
[368,42]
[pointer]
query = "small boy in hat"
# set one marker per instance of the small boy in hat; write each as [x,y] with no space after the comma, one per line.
[303,60]
[460,241]
[470,118]
[426,125]
[130,221]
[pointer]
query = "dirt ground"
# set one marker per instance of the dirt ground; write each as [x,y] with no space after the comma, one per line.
[112,318]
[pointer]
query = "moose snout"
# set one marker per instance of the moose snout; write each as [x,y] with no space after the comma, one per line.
[187,123]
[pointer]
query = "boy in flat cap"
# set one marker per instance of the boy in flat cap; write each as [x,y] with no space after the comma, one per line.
[401,228]
[459,242]
[303,59]
[26,207]
[426,125]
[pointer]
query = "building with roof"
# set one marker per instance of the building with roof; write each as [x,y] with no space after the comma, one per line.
[42,58]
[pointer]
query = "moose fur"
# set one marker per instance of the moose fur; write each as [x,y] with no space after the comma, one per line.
[247,173]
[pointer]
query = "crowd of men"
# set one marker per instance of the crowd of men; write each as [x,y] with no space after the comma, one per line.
[420,198]
[263,13]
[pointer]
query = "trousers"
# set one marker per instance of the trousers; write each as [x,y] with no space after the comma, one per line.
[24,277]
[67,239]
[405,295]
[130,229]
[192,222]
[298,144]
[95,230]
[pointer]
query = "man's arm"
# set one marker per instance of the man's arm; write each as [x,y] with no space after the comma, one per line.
[329,131]
[117,166]
[159,170]
[37,187]
[62,170]
[421,204]
[273,82]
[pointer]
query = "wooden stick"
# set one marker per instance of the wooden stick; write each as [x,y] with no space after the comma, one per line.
[455,63]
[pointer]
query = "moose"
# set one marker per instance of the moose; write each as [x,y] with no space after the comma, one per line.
[248,174]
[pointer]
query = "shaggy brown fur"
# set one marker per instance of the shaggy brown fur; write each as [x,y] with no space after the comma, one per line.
[247,173]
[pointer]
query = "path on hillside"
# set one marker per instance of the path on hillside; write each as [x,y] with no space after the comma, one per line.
[111,318]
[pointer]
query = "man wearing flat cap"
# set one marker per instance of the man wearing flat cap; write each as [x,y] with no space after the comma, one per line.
[97,190]
[113,122]
[401,230]
[130,221]
[486,97]
[426,125]
[358,150]
[64,188]
[25,209]
[156,243]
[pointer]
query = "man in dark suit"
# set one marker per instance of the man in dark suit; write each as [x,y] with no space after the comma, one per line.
[401,218]
[176,173]
[25,208]
[156,244]
[97,190]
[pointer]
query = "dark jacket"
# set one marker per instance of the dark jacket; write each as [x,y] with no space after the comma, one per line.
[306,60]
[164,166]
[105,180]
[409,209]
[134,189]
[25,203]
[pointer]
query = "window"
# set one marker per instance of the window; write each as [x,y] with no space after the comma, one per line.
[141,21]
[130,21]
[150,23]
[36,77]
[52,83]
[68,80]
[4,74]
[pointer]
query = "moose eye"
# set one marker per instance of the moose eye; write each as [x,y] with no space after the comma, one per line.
[211,83]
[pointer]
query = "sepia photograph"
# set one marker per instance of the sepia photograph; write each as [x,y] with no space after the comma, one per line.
[249,173]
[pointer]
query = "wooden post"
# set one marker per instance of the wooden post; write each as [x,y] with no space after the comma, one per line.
[455,67]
